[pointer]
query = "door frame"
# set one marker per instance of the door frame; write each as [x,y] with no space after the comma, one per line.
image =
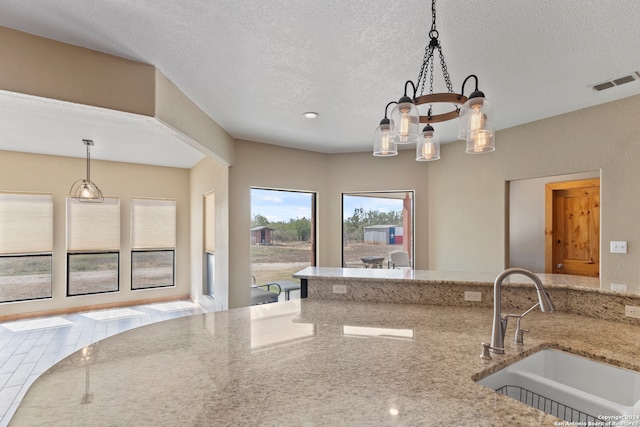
[548,216]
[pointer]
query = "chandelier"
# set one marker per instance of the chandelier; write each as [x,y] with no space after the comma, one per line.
[402,126]
[84,190]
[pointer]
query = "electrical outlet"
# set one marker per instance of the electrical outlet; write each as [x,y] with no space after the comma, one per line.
[472,296]
[632,311]
[339,289]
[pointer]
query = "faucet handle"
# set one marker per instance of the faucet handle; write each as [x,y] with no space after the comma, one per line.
[519,335]
[485,351]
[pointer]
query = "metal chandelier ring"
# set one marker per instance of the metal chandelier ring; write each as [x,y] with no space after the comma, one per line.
[437,98]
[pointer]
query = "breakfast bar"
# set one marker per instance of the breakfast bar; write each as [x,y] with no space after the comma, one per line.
[588,296]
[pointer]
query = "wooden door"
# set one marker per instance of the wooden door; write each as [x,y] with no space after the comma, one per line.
[572,228]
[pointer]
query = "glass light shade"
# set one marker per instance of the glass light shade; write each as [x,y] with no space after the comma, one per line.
[428,147]
[475,115]
[406,117]
[384,142]
[480,142]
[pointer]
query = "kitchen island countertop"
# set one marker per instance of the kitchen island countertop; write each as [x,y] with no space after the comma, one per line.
[311,363]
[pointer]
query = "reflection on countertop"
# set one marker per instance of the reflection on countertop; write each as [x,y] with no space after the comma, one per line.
[311,362]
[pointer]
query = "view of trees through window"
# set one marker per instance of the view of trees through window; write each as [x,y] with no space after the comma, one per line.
[282,234]
[374,224]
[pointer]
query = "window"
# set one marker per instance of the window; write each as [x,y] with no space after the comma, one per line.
[282,234]
[375,224]
[93,246]
[26,244]
[210,242]
[153,242]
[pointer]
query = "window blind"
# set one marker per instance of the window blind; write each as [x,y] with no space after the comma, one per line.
[153,224]
[26,223]
[209,223]
[93,226]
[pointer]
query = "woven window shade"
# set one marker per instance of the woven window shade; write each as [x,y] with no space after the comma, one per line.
[153,224]
[209,223]
[26,223]
[93,226]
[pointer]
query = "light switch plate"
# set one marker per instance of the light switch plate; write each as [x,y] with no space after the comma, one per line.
[618,247]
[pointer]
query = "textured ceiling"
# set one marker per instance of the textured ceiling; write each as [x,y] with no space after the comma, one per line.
[256,66]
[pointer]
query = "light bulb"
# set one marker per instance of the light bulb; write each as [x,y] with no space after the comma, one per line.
[86,192]
[476,120]
[385,143]
[405,123]
[428,150]
[480,140]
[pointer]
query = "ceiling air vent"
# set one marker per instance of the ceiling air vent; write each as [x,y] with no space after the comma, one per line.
[616,82]
[603,86]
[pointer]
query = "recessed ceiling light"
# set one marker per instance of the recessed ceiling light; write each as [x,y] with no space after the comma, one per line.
[310,115]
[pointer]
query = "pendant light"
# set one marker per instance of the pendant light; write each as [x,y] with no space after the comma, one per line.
[384,138]
[428,147]
[406,117]
[475,126]
[84,190]
[476,115]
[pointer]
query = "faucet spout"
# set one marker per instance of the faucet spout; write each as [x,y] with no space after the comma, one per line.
[500,320]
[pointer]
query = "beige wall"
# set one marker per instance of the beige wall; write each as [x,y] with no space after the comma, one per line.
[53,174]
[467,200]
[174,109]
[207,176]
[51,69]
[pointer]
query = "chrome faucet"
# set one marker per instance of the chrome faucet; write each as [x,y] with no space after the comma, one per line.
[500,319]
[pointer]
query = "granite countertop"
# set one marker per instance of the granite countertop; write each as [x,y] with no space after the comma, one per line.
[462,277]
[308,363]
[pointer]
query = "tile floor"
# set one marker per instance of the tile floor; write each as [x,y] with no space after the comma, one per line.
[29,347]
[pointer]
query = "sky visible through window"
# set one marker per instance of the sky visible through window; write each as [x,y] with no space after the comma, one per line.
[380,204]
[281,206]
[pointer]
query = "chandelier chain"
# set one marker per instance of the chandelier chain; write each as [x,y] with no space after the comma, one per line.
[428,60]
[431,76]
[428,55]
[445,72]
[433,17]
